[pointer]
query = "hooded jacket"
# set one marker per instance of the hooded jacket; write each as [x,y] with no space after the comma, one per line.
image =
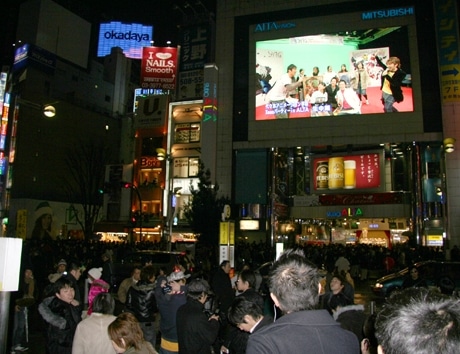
[141,301]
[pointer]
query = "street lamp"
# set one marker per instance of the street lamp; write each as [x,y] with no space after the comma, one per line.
[48,110]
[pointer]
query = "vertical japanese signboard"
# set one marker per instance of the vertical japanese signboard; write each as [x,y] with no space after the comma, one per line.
[448,49]
[195,46]
[159,68]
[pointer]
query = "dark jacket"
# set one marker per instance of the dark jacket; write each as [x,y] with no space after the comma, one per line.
[141,301]
[395,81]
[222,287]
[168,305]
[352,318]
[312,331]
[61,320]
[195,332]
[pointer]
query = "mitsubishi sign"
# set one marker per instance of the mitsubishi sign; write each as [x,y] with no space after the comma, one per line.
[131,38]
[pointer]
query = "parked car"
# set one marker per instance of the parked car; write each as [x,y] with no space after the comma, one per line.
[123,267]
[434,272]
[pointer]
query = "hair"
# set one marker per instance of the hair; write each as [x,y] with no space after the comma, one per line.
[290,67]
[249,276]
[73,266]
[419,321]
[394,60]
[294,281]
[343,82]
[343,67]
[61,283]
[147,273]
[133,269]
[242,307]
[126,327]
[104,303]
[224,263]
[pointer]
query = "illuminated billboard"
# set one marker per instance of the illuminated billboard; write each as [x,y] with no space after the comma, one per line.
[131,38]
[359,172]
[353,46]
[300,75]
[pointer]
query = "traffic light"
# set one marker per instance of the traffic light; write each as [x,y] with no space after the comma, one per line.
[124,184]
[106,188]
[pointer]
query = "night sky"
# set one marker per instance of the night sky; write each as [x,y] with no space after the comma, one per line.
[164,15]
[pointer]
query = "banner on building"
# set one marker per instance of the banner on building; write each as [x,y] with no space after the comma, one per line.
[159,68]
[151,111]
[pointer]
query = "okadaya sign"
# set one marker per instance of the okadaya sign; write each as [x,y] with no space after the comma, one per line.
[159,68]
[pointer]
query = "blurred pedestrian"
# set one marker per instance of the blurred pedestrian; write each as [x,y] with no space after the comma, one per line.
[97,286]
[124,287]
[142,303]
[24,300]
[196,331]
[337,295]
[170,293]
[414,279]
[294,288]
[107,267]
[91,334]
[127,336]
[61,314]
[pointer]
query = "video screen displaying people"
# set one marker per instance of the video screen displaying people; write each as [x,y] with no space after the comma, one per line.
[343,73]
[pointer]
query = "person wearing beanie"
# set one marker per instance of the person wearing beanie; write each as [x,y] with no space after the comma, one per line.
[43,222]
[97,286]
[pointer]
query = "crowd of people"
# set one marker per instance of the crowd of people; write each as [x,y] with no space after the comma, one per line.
[211,312]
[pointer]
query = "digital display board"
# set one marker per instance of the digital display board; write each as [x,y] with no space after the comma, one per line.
[129,37]
[299,75]
[348,173]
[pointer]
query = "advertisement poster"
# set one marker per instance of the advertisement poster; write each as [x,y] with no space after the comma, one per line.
[350,172]
[159,68]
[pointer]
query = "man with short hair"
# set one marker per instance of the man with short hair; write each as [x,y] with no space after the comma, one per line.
[196,332]
[127,283]
[419,321]
[294,289]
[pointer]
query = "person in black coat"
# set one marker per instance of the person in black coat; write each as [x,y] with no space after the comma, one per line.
[392,78]
[222,287]
[61,314]
[248,317]
[141,302]
[196,331]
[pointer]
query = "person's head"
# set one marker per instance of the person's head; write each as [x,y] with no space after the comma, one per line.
[198,289]
[315,71]
[342,85]
[225,265]
[291,70]
[343,67]
[136,273]
[337,284]
[177,279]
[321,86]
[162,271]
[64,290]
[43,216]
[414,272]
[104,303]
[301,72]
[333,81]
[28,273]
[294,282]
[94,274]
[244,314]
[75,270]
[125,332]
[393,63]
[329,68]
[61,266]
[148,274]
[106,257]
[419,321]
[360,65]
[246,279]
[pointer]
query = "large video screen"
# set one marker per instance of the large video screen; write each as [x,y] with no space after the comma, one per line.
[334,66]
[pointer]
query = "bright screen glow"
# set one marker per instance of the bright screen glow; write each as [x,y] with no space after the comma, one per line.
[129,37]
[338,54]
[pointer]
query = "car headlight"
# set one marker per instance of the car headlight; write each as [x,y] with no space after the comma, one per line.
[378,285]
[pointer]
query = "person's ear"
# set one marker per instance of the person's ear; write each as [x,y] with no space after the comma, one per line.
[123,342]
[320,288]
[380,350]
[275,300]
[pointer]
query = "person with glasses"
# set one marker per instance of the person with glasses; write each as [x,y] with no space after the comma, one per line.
[170,293]
[414,280]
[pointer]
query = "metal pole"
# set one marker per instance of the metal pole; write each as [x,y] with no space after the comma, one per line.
[4,316]
[140,210]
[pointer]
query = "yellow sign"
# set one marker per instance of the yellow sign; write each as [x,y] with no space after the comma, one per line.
[450,83]
[227,233]
[21,223]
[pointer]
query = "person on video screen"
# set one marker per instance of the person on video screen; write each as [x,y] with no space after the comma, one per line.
[392,78]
